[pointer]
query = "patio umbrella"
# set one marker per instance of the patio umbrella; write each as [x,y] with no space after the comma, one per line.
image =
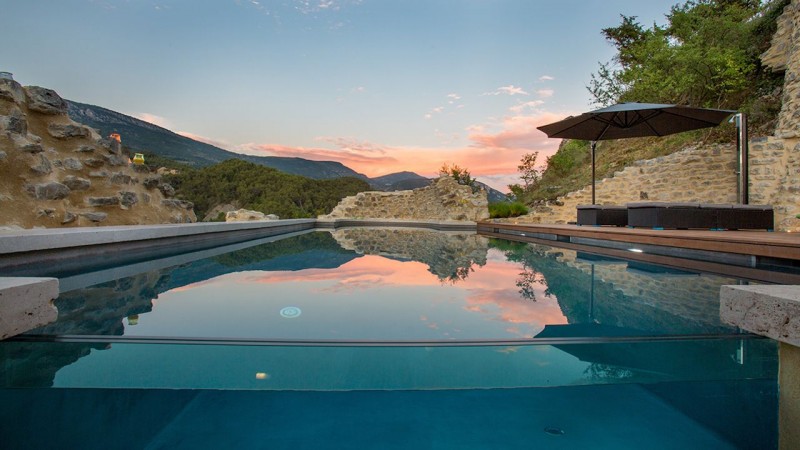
[628,120]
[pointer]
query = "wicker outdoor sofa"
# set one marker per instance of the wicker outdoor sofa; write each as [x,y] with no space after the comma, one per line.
[660,215]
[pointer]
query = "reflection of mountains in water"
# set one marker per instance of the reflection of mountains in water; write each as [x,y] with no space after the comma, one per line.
[317,250]
[100,309]
[449,256]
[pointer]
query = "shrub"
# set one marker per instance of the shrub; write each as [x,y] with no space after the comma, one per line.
[506,209]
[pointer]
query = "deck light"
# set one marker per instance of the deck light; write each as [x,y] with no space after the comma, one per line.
[636,250]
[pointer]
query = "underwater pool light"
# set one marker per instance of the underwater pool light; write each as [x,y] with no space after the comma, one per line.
[290,312]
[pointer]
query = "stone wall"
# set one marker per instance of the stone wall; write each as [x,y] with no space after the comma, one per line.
[55,172]
[444,199]
[708,174]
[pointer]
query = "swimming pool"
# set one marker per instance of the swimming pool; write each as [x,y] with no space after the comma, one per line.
[388,338]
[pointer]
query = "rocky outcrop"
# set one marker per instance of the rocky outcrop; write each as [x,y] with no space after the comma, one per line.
[45,101]
[444,199]
[246,215]
[55,172]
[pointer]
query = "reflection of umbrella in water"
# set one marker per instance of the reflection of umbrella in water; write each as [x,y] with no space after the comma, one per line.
[628,120]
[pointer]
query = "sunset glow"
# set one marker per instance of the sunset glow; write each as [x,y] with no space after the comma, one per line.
[379,86]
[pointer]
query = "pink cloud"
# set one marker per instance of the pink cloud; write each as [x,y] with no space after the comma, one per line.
[207,140]
[508,90]
[545,93]
[154,119]
[546,78]
[518,133]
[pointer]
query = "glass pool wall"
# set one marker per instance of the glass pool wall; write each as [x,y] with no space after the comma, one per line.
[388,339]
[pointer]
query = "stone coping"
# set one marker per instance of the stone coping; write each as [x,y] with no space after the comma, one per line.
[16,241]
[20,241]
[771,311]
[26,303]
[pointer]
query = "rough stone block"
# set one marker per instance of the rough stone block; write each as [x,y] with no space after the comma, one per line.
[771,311]
[59,131]
[26,303]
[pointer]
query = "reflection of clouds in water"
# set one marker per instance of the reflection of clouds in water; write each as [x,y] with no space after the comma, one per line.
[492,291]
[489,291]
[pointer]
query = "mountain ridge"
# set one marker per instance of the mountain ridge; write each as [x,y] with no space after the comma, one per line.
[140,135]
[143,136]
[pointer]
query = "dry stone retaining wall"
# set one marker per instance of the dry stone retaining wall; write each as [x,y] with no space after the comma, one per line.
[444,199]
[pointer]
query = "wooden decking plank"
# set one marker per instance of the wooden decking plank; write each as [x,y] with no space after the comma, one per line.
[757,243]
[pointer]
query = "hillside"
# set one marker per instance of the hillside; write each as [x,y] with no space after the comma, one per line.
[707,55]
[243,184]
[55,172]
[141,136]
[144,137]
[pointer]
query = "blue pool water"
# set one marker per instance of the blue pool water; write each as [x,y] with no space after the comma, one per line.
[387,338]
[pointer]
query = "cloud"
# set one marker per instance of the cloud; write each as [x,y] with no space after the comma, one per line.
[546,78]
[507,90]
[521,107]
[545,93]
[518,133]
[211,141]
[453,98]
[154,119]
[437,110]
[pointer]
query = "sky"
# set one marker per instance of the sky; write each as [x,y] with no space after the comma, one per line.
[381,86]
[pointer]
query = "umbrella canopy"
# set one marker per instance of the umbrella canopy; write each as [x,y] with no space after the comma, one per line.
[628,120]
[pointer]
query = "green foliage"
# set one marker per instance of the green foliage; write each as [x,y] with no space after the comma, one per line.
[154,161]
[506,209]
[707,55]
[261,188]
[530,175]
[570,155]
[461,175]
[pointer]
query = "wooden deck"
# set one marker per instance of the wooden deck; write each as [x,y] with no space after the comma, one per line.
[764,249]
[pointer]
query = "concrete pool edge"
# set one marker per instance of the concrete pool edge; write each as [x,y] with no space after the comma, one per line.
[45,239]
[26,303]
[774,312]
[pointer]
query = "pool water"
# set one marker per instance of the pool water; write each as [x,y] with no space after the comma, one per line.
[388,338]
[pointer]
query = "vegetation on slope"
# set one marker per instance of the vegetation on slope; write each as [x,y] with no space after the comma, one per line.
[252,186]
[707,55]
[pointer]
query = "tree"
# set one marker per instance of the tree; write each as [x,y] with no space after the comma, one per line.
[530,175]
[706,55]
[462,176]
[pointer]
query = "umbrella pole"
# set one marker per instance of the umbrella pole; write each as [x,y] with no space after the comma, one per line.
[594,147]
[744,150]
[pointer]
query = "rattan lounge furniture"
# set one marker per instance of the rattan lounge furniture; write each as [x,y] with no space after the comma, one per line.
[597,215]
[659,215]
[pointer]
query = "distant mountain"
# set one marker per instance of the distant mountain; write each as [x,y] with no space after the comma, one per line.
[139,135]
[399,181]
[409,180]
[142,136]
